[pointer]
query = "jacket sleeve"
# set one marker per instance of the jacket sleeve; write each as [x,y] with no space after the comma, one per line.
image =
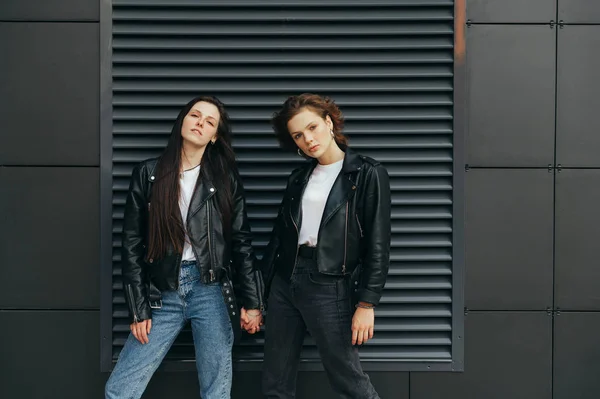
[267,262]
[271,253]
[249,280]
[377,211]
[133,249]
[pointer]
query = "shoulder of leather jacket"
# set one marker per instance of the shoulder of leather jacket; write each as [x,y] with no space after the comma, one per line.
[147,168]
[370,160]
[234,177]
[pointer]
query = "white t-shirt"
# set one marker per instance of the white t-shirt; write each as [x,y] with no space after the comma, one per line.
[187,183]
[314,199]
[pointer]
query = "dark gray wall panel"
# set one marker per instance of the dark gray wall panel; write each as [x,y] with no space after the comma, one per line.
[507,355]
[49,105]
[541,11]
[511,95]
[579,11]
[577,138]
[508,239]
[389,385]
[49,10]
[577,282]
[50,355]
[576,355]
[49,238]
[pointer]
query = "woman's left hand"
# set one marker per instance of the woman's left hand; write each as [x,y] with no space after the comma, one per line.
[363,323]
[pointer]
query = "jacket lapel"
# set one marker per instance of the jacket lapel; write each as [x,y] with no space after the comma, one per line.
[339,194]
[344,186]
[204,190]
[296,192]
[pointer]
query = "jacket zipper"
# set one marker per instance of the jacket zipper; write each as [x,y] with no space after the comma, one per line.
[210,271]
[296,226]
[261,287]
[132,303]
[345,241]
[359,227]
[297,236]
[187,227]
[178,259]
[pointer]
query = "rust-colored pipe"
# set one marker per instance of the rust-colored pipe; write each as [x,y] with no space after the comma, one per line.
[460,17]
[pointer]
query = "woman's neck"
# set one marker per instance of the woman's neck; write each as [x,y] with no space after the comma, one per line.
[332,155]
[191,156]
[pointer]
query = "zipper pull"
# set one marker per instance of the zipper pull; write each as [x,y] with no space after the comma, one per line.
[212,275]
[343,269]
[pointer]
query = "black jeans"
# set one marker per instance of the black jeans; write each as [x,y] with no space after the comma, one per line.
[321,304]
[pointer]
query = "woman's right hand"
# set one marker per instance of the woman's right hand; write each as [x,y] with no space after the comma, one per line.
[141,330]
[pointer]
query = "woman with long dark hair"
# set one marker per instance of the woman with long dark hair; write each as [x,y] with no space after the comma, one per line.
[186,244]
[328,257]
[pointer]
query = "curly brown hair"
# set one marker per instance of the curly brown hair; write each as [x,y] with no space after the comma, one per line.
[320,105]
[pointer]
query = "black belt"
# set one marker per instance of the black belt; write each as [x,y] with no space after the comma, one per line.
[307,252]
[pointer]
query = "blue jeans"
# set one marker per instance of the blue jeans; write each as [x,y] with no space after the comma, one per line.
[201,304]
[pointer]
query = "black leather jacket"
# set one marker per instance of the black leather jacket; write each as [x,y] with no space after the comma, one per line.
[355,228]
[231,263]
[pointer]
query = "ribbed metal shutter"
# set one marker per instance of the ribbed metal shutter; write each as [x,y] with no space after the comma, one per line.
[388,64]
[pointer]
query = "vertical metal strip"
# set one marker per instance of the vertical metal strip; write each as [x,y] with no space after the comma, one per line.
[106,244]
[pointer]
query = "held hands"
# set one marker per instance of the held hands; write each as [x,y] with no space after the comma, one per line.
[362,324]
[141,330]
[251,320]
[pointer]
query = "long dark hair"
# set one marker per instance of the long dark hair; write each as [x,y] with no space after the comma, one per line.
[165,225]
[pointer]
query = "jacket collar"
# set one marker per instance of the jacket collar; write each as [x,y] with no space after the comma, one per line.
[352,162]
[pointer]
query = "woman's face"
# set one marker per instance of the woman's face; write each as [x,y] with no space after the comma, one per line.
[311,133]
[200,124]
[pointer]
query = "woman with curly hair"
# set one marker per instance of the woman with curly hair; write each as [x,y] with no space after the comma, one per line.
[328,257]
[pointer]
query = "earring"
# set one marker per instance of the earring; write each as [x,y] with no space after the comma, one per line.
[332,134]
[299,153]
